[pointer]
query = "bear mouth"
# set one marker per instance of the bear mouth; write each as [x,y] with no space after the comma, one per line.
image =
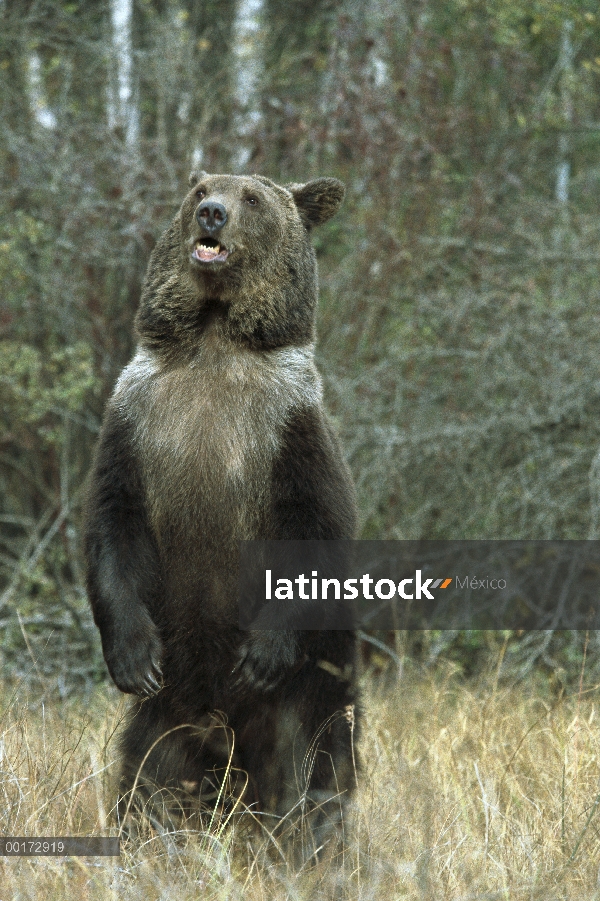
[207,250]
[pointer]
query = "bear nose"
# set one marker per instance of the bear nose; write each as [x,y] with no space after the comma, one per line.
[211,215]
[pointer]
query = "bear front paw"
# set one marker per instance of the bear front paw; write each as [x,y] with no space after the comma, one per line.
[135,666]
[265,660]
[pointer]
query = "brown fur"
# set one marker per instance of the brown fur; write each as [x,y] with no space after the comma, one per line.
[216,433]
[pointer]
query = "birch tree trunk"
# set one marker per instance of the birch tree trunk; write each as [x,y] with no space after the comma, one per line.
[248,55]
[122,112]
[566,66]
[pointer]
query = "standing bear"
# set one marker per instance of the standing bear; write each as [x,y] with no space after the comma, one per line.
[216,433]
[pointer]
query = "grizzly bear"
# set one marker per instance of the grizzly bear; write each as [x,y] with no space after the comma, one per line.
[216,433]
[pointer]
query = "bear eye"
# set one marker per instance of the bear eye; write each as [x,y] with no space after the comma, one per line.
[252,200]
[200,193]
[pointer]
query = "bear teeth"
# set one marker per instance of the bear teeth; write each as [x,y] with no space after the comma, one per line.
[201,246]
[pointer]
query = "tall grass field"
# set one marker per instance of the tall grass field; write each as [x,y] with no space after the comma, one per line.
[466,790]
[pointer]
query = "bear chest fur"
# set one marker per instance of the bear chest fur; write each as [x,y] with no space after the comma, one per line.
[206,433]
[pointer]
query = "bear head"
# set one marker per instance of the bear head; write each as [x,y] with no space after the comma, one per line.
[238,251]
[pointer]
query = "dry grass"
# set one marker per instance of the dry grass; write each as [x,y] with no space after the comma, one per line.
[467,791]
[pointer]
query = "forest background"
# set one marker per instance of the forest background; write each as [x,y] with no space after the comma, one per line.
[459,322]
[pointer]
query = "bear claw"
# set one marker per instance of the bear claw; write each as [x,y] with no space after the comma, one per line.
[137,670]
[261,667]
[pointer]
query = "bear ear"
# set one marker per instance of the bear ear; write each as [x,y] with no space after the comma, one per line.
[196,176]
[318,200]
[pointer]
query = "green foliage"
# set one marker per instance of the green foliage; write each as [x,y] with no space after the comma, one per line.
[38,383]
[21,237]
[517,23]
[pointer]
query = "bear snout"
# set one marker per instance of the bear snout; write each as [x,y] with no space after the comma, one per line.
[211,216]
